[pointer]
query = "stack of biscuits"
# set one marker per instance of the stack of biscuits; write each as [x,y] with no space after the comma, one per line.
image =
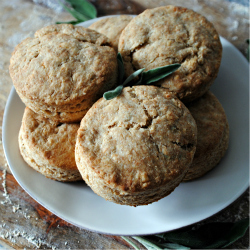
[59,74]
[138,147]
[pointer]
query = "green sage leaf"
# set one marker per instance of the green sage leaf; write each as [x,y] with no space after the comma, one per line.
[173,246]
[130,242]
[146,243]
[238,230]
[147,77]
[77,15]
[157,74]
[70,22]
[113,93]
[153,245]
[84,7]
[81,10]
[121,71]
[133,76]
[209,236]
[248,49]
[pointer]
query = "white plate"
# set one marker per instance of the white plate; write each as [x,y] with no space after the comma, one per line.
[189,203]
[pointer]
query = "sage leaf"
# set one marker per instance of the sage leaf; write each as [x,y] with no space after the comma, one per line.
[173,246]
[119,57]
[113,93]
[84,7]
[209,236]
[81,10]
[157,74]
[117,91]
[147,77]
[121,71]
[238,230]
[133,76]
[152,245]
[77,15]
[130,242]
[70,22]
[146,243]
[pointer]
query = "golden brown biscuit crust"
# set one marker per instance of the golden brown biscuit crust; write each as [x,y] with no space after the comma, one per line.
[112,27]
[136,148]
[49,147]
[63,69]
[171,34]
[212,135]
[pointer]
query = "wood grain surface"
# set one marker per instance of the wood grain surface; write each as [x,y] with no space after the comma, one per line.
[23,222]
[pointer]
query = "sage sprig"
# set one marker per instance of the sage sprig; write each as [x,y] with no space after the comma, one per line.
[153,245]
[121,73]
[147,77]
[81,10]
[157,74]
[212,235]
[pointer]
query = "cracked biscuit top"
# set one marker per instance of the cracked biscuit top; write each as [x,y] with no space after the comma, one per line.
[64,68]
[143,139]
[171,34]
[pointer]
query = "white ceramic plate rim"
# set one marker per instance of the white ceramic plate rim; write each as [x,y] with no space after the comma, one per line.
[190,203]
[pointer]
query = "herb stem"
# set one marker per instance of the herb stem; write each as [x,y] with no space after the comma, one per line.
[146,243]
[146,78]
[130,242]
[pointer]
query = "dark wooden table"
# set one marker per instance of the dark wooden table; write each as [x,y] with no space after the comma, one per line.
[23,222]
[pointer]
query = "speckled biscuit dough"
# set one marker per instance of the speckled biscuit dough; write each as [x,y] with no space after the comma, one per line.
[49,147]
[63,70]
[212,135]
[168,35]
[136,148]
[112,27]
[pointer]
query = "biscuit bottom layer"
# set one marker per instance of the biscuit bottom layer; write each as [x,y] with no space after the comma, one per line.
[200,166]
[49,171]
[62,116]
[113,194]
[132,199]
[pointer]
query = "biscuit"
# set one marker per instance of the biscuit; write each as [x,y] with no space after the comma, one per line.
[136,148]
[112,27]
[63,70]
[168,35]
[212,135]
[49,147]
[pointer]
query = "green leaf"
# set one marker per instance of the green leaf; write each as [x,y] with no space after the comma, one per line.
[121,71]
[81,10]
[84,7]
[133,76]
[119,57]
[173,246]
[146,243]
[238,230]
[248,49]
[70,22]
[148,77]
[117,91]
[130,242]
[153,245]
[209,236]
[78,16]
[113,93]
[157,74]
